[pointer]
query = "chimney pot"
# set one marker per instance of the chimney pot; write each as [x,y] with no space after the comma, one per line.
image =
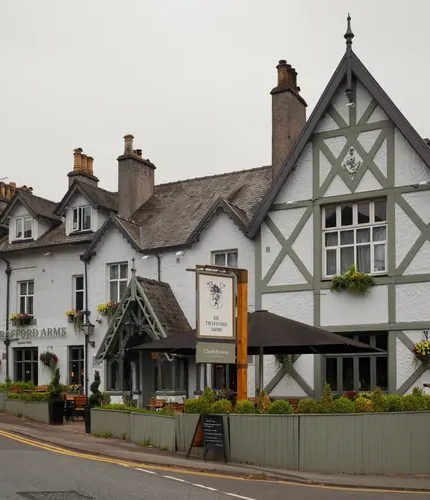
[128,144]
[77,159]
[12,188]
[139,152]
[90,161]
[3,190]
[84,163]
[284,72]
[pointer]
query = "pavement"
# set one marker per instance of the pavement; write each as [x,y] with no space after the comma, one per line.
[71,436]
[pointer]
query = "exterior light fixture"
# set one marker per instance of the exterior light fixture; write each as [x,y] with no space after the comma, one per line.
[88,329]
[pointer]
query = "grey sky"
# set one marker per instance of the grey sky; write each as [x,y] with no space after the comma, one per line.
[190,79]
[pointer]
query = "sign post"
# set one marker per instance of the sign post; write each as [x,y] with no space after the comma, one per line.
[222,320]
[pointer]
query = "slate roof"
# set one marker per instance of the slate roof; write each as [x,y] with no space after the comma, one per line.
[37,206]
[97,196]
[165,306]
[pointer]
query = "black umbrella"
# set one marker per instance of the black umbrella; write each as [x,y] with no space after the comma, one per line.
[275,334]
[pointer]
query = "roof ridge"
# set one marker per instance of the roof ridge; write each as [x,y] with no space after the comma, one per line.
[154,282]
[213,176]
[32,196]
[96,187]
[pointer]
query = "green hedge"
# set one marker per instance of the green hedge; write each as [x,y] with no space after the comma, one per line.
[166,410]
[40,397]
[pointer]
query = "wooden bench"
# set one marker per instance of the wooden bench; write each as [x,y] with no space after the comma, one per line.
[42,388]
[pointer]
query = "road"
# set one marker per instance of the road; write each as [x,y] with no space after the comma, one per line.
[40,472]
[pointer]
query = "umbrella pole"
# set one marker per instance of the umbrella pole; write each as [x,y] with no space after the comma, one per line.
[261,371]
[242,335]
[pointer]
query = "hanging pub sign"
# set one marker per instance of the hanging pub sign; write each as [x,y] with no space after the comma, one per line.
[216,317]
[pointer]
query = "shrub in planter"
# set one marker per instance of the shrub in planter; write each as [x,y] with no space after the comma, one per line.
[308,405]
[244,406]
[223,406]
[379,401]
[56,401]
[281,407]
[263,403]
[394,403]
[414,403]
[192,406]
[343,405]
[94,400]
[363,405]
[326,403]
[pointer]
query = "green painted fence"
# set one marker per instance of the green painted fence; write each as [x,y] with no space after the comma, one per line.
[154,430]
[36,411]
[3,397]
[112,423]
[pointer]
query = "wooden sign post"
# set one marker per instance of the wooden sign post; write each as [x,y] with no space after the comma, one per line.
[242,335]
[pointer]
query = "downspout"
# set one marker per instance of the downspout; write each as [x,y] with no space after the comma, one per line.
[158,267]
[8,272]
[87,314]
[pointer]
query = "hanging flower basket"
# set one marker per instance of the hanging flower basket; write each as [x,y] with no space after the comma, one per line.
[20,319]
[76,317]
[48,359]
[353,282]
[286,361]
[108,309]
[422,351]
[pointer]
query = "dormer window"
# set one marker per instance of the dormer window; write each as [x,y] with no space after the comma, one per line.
[81,219]
[24,228]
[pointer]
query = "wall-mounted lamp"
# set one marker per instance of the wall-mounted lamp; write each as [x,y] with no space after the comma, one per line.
[48,253]
[88,329]
[180,254]
[144,257]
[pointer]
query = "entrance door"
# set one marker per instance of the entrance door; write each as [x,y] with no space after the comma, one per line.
[225,377]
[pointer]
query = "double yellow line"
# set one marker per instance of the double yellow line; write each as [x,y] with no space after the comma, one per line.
[124,463]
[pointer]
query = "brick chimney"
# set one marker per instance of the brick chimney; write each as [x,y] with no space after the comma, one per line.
[82,168]
[288,114]
[135,179]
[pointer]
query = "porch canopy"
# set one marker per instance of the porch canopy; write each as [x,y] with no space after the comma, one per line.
[271,334]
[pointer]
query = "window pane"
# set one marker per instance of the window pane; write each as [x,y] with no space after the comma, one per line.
[30,288]
[27,227]
[379,258]
[379,233]
[331,267]
[113,270]
[346,215]
[381,341]
[331,239]
[364,374]
[219,259]
[29,304]
[18,354]
[27,354]
[382,372]
[347,237]
[348,374]
[79,301]
[75,225]
[22,305]
[363,259]
[23,288]
[232,259]
[19,228]
[380,211]
[363,213]
[330,217]
[363,235]
[123,271]
[113,291]
[122,288]
[79,283]
[331,373]
[346,258]
[86,218]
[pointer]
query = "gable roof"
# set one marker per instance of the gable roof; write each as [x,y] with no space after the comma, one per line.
[97,197]
[390,109]
[36,206]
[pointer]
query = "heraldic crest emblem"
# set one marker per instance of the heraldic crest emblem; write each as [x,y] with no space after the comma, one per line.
[215,294]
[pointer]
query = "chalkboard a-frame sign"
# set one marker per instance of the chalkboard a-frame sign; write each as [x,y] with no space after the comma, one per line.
[209,435]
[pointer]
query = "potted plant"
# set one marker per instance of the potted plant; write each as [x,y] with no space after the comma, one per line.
[49,359]
[76,317]
[422,351]
[94,400]
[21,319]
[353,282]
[108,309]
[55,401]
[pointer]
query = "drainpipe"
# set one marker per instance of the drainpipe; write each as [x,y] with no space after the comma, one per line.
[87,315]
[158,267]
[8,272]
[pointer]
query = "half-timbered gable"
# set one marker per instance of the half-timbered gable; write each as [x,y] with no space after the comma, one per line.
[354,190]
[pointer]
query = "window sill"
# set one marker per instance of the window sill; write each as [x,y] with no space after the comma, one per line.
[23,240]
[81,231]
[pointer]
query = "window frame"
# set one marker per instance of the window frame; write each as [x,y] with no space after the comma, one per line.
[80,218]
[26,297]
[80,362]
[75,291]
[226,253]
[19,365]
[118,280]
[338,229]
[373,356]
[23,219]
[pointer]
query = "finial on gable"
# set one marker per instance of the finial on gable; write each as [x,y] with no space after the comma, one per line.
[349,35]
[133,269]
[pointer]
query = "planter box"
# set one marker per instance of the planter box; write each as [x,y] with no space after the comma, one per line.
[378,443]
[3,397]
[155,430]
[116,423]
[265,440]
[38,412]
[14,406]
